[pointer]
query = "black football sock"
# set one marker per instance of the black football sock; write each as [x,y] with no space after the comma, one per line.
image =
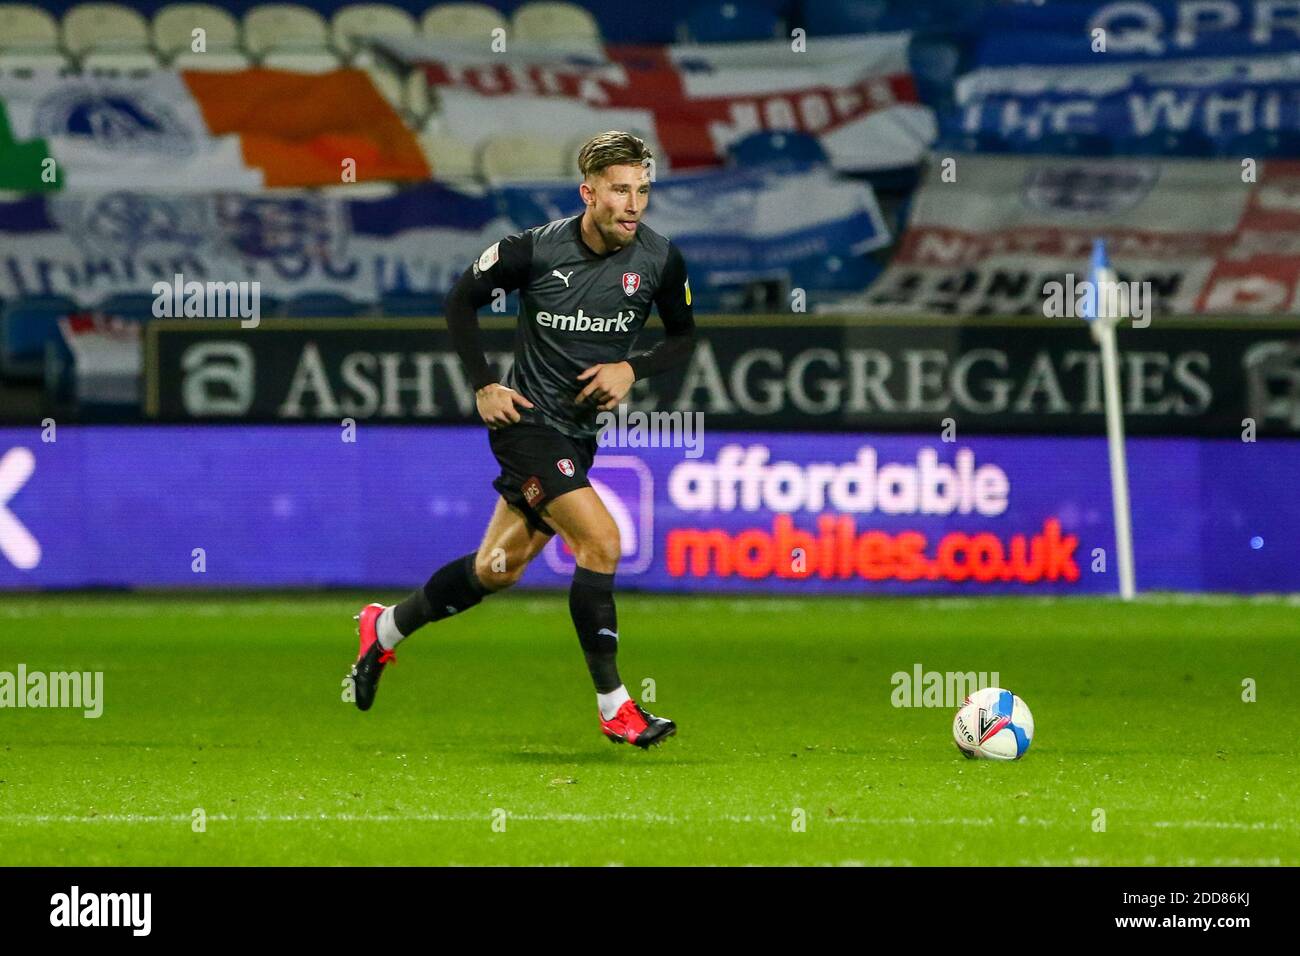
[453,588]
[591,603]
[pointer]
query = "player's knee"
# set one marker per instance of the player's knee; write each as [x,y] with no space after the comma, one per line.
[599,552]
[498,569]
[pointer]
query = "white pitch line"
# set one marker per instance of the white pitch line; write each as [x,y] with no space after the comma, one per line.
[649,818]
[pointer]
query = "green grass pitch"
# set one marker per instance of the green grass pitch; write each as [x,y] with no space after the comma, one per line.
[233,705]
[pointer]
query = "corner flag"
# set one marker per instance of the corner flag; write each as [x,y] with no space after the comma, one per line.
[1098,309]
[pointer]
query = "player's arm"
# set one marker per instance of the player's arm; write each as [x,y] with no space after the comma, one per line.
[504,265]
[608,384]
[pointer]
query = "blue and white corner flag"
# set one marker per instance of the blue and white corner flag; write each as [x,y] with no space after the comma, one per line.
[1099,303]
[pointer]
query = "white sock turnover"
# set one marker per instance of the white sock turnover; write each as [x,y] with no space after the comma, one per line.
[386,628]
[611,702]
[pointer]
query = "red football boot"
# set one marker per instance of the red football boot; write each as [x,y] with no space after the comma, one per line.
[371,658]
[633,725]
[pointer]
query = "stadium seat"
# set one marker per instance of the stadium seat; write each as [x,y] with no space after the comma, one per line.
[728,22]
[26,324]
[100,26]
[116,62]
[174,26]
[33,58]
[352,23]
[388,83]
[555,25]
[279,26]
[322,305]
[415,97]
[462,22]
[449,157]
[775,148]
[517,157]
[27,29]
[301,61]
[216,60]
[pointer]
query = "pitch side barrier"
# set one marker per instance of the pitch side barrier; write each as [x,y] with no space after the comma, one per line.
[1179,376]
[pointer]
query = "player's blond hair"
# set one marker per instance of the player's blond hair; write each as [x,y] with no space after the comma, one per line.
[614,148]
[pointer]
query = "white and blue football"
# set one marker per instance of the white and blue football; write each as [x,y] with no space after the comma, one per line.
[993,724]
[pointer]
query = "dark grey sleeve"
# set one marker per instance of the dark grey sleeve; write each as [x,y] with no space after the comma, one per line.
[673,302]
[507,268]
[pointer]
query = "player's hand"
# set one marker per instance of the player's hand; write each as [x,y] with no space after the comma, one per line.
[496,405]
[607,384]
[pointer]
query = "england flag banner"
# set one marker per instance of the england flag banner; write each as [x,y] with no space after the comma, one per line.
[856,94]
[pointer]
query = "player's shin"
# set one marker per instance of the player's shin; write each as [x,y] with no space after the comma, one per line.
[453,588]
[591,603]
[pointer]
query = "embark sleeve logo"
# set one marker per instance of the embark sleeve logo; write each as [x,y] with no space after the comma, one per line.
[103,909]
[75,690]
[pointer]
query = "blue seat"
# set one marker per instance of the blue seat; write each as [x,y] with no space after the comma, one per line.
[26,324]
[775,148]
[323,305]
[728,22]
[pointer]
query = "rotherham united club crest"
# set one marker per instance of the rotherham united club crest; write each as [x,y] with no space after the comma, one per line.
[631,282]
[566,467]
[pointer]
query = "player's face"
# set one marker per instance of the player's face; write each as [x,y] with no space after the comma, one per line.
[617,197]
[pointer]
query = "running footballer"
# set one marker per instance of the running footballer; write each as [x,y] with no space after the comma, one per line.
[586,284]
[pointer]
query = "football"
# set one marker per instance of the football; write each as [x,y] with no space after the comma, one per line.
[993,724]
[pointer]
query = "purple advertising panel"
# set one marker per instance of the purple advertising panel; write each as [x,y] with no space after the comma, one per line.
[277,506]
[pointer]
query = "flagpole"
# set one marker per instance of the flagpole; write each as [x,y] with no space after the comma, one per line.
[1103,328]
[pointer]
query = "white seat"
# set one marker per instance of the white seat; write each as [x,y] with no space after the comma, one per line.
[415,96]
[119,61]
[368,19]
[174,26]
[388,83]
[284,25]
[90,26]
[34,59]
[27,27]
[555,24]
[227,60]
[449,157]
[301,61]
[521,157]
[462,22]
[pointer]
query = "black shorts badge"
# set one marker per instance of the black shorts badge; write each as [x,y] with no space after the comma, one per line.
[566,467]
[532,489]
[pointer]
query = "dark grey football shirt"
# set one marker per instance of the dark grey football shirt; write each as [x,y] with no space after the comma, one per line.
[577,308]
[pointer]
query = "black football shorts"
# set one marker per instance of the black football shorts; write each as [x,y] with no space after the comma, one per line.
[538,464]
